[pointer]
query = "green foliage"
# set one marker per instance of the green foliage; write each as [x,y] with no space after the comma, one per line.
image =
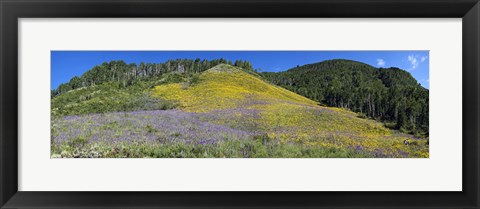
[193,79]
[150,129]
[362,115]
[108,97]
[78,142]
[172,78]
[389,95]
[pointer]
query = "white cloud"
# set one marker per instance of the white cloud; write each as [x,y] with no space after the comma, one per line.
[415,60]
[381,62]
[423,59]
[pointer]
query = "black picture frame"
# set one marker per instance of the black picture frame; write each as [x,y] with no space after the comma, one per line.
[10,11]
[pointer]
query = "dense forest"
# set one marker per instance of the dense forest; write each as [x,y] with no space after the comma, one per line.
[391,95]
[128,74]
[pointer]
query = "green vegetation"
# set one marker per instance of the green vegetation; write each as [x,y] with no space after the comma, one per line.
[390,95]
[225,111]
[257,148]
[108,97]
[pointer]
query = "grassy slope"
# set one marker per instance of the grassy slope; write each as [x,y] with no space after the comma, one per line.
[284,115]
[231,112]
[224,87]
[111,97]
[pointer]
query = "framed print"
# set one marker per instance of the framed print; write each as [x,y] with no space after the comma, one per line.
[255,104]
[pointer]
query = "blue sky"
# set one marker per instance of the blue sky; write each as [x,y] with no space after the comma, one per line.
[66,64]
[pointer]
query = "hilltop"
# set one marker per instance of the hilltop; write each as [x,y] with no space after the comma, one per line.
[224,87]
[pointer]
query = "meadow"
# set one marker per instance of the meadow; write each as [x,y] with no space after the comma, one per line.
[223,112]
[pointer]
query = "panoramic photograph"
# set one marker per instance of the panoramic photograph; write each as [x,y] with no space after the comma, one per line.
[239,104]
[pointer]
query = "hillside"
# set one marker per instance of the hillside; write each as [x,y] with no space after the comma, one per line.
[225,87]
[229,111]
[391,95]
[128,74]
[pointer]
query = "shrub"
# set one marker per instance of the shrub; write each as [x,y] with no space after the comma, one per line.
[78,141]
[362,115]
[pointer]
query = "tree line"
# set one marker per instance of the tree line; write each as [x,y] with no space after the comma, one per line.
[391,95]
